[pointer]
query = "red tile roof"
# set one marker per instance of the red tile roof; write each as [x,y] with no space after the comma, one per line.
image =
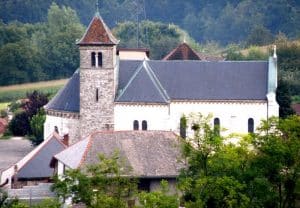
[98,33]
[185,52]
[182,52]
[3,125]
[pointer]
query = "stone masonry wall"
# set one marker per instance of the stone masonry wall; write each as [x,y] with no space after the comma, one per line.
[97,115]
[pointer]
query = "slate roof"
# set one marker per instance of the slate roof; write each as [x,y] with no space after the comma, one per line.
[98,33]
[143,76]
[152,81]
[38,164]
[67,98]
[148,153]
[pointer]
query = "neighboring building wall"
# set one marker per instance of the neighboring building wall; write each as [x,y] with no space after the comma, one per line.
[157,116]
[133,55]
[97,90]
[233,115]
[64,125]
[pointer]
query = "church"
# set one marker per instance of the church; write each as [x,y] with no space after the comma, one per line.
[120,99]
[114,92]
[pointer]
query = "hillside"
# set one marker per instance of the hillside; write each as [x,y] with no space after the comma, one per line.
[223,21]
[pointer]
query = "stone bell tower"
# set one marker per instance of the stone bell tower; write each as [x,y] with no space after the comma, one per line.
[97,77]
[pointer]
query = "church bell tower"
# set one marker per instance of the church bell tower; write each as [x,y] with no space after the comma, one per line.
[97,77]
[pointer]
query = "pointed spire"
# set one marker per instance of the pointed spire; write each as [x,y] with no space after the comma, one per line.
[97,7]
[274,54]
[98,33]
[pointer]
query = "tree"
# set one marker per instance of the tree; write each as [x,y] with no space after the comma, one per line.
[283,97]
[19,125]
[202,183]
[259,36]
[36,100]
[278,149]
[102,185]
[159,199]
[37,127]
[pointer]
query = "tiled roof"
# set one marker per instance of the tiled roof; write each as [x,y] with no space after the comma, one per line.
[98,33]
[38,164]
[148,153]
[162,81]
[184,52]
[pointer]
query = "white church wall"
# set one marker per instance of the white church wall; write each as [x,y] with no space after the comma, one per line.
[157,116]
[233,115]
[65,126]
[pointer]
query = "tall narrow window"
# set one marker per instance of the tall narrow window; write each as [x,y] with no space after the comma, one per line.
[183,126]
[217,126]
[93,59]
[135,125]
[100,59]
[250,125]
[144,125]
[97,94]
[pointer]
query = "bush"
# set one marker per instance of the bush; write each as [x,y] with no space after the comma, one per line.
[19,125]
[37,127]
[3,114]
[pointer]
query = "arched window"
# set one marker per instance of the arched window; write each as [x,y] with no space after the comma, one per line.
[144,125]
[250,125]
[217,126]
[135,125]
[93,59]
[100,59]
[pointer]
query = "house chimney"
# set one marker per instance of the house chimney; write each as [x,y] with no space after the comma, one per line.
[66,139]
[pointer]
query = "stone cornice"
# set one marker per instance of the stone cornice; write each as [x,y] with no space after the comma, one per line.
[63,114]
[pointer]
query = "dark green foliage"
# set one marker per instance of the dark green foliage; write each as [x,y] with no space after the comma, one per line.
[41,51]
[158,37]
[283,97]
[259,36]
[261,171]
[289,65]
[36,100]
[37,127]
[223,21]
[183,126]
[19,125]
[160,198]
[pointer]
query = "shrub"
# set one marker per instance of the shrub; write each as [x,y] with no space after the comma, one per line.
[19,125]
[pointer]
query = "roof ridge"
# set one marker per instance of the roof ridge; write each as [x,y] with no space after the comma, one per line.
[139,68]
[84,155]
[156,81]
[41,146]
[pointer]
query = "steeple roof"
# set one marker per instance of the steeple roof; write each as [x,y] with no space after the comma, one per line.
[98,33]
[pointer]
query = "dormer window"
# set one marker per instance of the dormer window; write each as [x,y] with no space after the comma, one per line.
[93,59]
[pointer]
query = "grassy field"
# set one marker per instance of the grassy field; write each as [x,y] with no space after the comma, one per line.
[15,92]
[3,106]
